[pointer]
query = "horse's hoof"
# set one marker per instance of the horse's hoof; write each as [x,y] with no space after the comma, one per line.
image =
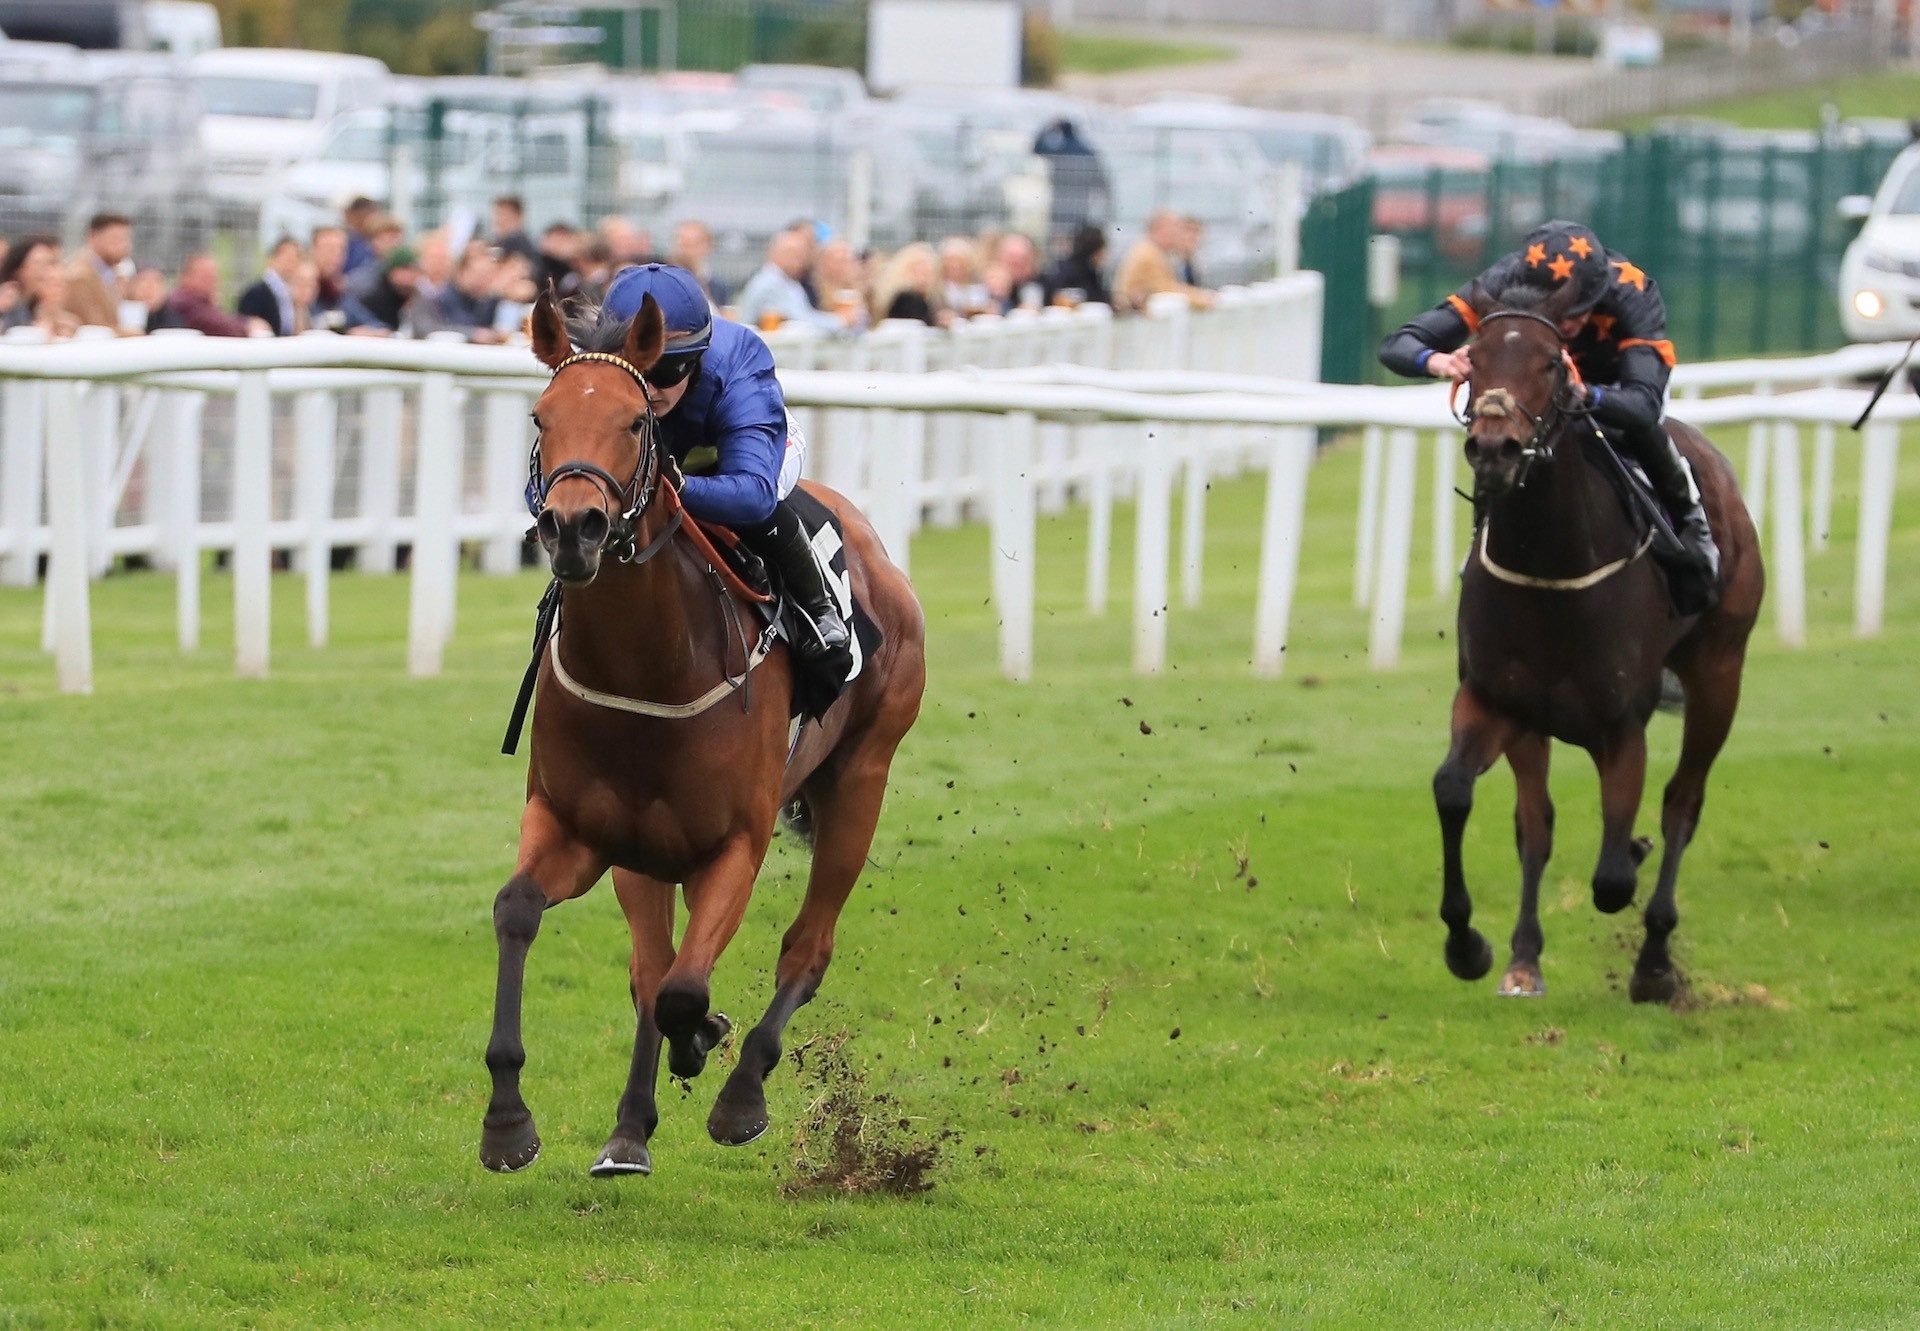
[1661,986]
[509,1147]
[1612,895]
[681,1017]
[622,1155]
[1641,848]
[1522,980]
[1469,955]
[740,1113]
[687,1058]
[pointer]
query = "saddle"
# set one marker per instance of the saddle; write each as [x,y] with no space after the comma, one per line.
[815,686]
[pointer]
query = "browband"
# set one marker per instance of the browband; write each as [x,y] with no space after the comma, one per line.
[607,357]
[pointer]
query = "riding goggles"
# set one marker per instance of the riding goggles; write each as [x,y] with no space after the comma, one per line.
[671,370]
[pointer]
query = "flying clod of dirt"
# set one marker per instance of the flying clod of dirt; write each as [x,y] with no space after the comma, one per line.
[853,1139]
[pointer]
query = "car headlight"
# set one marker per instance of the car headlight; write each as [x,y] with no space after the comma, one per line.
[1869,304]
[1884,263]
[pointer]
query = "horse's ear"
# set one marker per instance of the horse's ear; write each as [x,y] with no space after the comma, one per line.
[549,331]
[646,335]
[1557,305]
[1481,301]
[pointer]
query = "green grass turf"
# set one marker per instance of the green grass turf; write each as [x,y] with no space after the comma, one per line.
[1105,53]
[1885,92]
[246,975]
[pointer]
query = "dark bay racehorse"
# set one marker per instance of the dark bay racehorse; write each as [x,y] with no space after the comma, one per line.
[677,797]
[1564,628]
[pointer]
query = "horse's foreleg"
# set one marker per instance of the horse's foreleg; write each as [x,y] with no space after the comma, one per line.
[648,904]
[1479,735]
[845,814]
[1623,776]
[553,867]
[1533,836]
[716,900]
[1712,696]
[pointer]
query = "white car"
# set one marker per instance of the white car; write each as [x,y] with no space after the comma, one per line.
[1880,272]
[266,109]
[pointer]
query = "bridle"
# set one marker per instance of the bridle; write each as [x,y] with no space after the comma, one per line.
[624,503]
[1566,402]
[1499,403]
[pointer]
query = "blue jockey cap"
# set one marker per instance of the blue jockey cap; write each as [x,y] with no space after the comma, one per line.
[683,304]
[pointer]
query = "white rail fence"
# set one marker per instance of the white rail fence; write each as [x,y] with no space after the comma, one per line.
[238,447]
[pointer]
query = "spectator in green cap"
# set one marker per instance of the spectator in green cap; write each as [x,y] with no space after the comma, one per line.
[381,310]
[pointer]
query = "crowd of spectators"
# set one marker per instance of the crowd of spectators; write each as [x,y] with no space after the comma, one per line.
[365,277]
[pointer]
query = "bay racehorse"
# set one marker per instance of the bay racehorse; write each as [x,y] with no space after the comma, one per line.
[1564,629]
[687,795]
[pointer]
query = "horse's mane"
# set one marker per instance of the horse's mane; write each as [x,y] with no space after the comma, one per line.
[1522,297]
[593,327]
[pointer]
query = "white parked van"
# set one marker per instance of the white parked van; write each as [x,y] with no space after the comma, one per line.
[267,108]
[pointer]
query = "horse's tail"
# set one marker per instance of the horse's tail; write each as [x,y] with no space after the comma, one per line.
[1673,694]
[796,815]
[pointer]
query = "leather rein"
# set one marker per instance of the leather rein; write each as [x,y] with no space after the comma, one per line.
[1562,406]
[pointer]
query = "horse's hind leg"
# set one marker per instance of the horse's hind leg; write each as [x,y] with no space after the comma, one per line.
[1713,693]
[846,810]
[1533,836]
[1623,777]
[1479,735]
[648,904]
[553,868]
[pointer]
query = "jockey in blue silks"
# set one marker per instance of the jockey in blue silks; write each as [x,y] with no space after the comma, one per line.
[714,387]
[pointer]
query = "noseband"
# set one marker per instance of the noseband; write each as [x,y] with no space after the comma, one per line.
[625,503]
[1500,404]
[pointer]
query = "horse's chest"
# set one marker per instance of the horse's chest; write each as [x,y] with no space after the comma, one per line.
[656,802]
[1575,686]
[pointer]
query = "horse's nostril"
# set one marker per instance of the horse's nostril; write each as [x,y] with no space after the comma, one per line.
[593,527]
[548,525]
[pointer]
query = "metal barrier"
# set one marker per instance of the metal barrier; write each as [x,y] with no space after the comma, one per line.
[1106,434]
[171,446]
[1741,232]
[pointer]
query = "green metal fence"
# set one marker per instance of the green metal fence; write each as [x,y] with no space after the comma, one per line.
[726,34]
[1742,233]
[1333,240]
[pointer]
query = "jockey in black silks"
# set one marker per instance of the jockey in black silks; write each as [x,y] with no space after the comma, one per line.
[714,387]
[1616,333]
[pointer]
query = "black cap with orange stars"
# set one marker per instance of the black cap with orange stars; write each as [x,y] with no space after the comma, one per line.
[1562,252]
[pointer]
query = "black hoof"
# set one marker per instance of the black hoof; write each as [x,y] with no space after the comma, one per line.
[509,1146]
[623,1154]
[1612,895]
[687,1056]
[1469,956]
[1662,986]
[740,1114]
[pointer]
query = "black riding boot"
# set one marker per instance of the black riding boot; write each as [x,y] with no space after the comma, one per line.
[1695,584]
[782,542]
